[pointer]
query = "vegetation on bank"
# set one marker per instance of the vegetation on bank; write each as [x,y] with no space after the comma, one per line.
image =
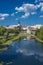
[39,40]
[15,38]
[39,34]
[8,34]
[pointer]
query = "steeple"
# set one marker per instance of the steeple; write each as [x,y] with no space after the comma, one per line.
[19,23]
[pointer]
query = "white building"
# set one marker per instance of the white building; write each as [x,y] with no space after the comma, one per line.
[28,30]
[37,26]
[11,27]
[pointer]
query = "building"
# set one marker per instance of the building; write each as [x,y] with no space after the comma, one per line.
[28,30]
[33,30]
[24,29]
[11,27]
[37,26]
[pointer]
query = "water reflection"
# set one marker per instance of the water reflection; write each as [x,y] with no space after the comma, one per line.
[23,51]
[7,63]
[4,48]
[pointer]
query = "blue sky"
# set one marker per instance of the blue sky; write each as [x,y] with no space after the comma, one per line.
[28,12]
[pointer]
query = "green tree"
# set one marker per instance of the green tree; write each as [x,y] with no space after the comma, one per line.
[2,30]
[39,33]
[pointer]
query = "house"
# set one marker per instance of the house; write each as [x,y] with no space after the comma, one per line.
[37,26]
[11,27]
[24,29]
[32,30]
[28,30]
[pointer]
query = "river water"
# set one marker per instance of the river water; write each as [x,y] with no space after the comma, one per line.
[23,52]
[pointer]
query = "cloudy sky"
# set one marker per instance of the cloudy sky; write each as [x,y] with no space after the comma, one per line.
[28,12]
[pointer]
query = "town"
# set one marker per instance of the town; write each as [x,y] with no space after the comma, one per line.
[11,33]
[25,29]
[21,32]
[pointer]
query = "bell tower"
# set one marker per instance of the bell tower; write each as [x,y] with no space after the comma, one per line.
[19,23]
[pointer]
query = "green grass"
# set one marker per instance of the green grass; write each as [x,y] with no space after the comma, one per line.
[39,40]
[14,38]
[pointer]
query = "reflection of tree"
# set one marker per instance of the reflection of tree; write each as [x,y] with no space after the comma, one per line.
[4,47]
[6,63]
[9,63]
[19,40]
[42,48]
[1,62]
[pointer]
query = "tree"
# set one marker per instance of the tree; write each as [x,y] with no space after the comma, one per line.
[2,30]
[39,33]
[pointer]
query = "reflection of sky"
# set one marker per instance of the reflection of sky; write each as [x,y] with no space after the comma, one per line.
[25,48]
[29,48]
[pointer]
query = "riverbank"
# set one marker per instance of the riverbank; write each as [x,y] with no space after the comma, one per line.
[39,40]
[15,38]
[8,42]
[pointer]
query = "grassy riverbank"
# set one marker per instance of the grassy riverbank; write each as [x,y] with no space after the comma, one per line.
[8,42]
[39,40]
[15,38]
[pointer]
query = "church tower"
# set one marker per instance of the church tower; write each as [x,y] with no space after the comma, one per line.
[19,24]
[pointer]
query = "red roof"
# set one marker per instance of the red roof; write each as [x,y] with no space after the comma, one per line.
[23,26]
[32,29]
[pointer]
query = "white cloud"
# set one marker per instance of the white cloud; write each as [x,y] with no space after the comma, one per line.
[19,9]
[36,0]
[42,8]
[12,14]
[27,9]
[3,16]
[16,12]
[41,5]
[33,13]
[41,16]
[16,18]
[25,15]
[30,9]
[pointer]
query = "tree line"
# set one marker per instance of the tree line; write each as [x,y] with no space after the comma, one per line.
[39,33]
[6,34]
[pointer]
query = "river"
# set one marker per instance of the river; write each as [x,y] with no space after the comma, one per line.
[23,52]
